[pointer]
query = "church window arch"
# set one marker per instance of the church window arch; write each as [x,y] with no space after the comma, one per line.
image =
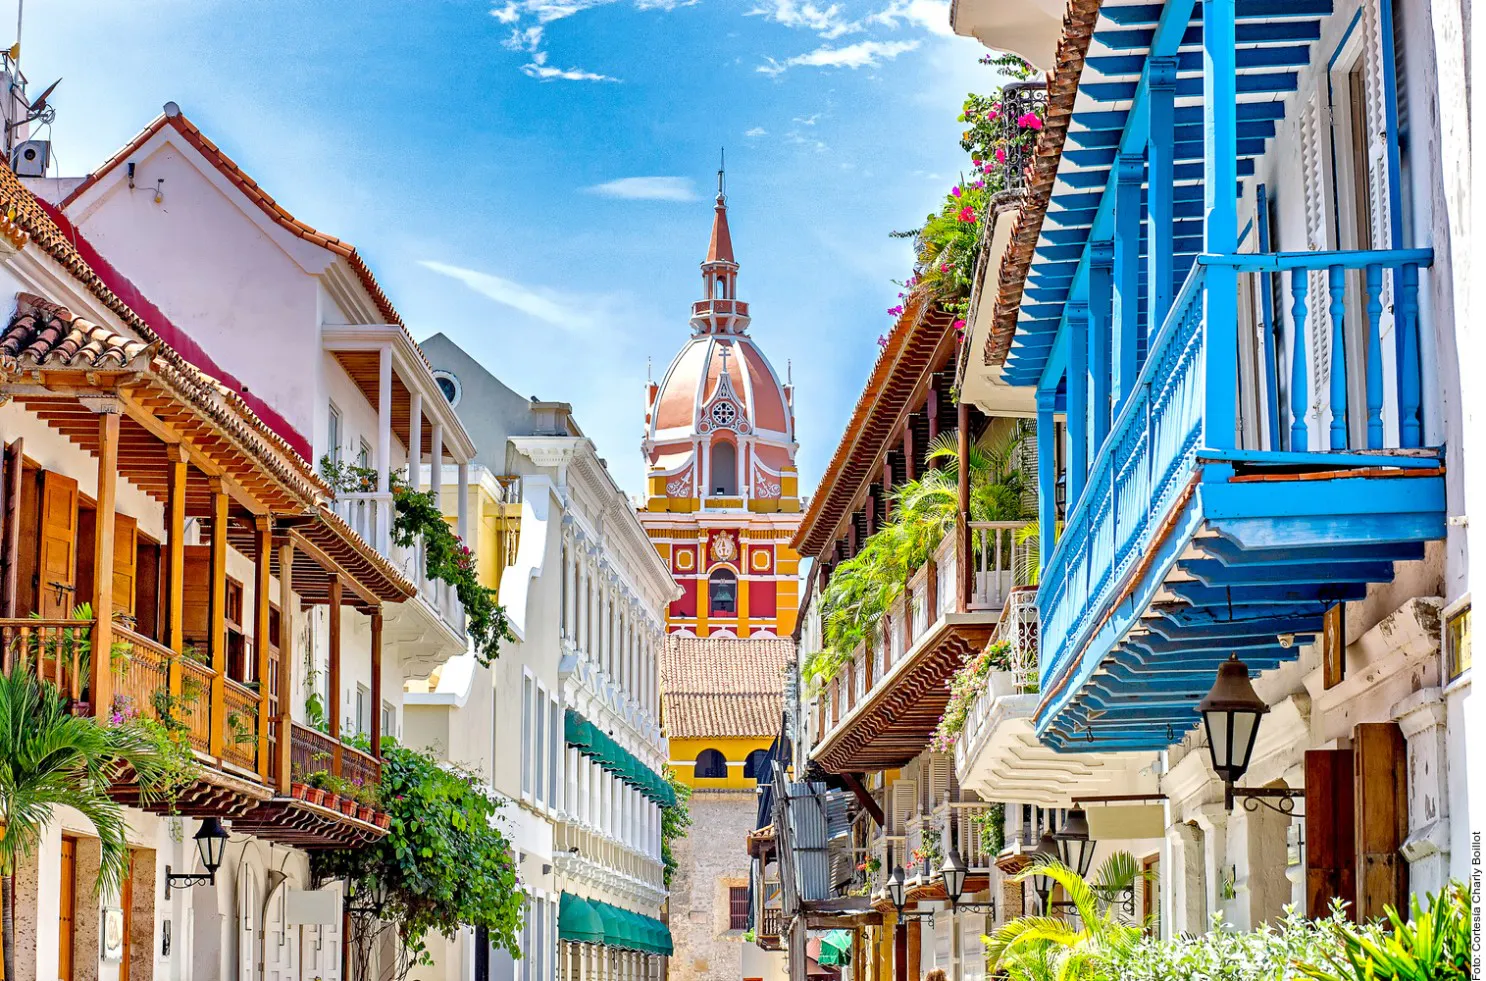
[724,469]
[753,764]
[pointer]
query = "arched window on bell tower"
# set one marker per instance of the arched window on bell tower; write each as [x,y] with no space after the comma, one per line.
[724,469]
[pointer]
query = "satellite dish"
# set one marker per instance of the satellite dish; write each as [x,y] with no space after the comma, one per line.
[40,102]
[171,110]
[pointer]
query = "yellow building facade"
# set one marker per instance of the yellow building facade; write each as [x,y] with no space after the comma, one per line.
[722,490]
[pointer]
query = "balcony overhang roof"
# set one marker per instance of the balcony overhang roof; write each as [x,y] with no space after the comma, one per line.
[1098,108]
[893,723]
[1004,760]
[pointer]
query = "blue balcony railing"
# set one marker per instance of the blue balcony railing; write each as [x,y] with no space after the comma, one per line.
[1149,466]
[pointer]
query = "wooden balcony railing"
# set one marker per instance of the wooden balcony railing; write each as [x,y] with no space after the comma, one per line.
[771,924]
[312,751]
[56,649]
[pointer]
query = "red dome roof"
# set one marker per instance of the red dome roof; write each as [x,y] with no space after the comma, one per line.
[690,397]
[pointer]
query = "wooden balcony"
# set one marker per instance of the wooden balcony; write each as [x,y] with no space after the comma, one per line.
[880,710]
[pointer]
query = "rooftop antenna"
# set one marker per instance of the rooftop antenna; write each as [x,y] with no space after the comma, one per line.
[722,166]
[649,372]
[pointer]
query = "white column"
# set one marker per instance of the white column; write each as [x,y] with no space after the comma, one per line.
[436,467]
[1187,912]
[1421,717]
[384,446]
[464,501]
[415,441]
[1213,820]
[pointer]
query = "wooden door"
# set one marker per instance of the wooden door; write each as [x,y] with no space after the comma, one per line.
[126,903]
[147,582]
[1330,843]
[67,913]
[56,567]
[1380,761]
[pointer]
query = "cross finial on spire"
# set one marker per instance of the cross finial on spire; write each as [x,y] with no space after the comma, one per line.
[722,166]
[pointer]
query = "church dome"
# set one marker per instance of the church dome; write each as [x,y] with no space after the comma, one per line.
[720,422]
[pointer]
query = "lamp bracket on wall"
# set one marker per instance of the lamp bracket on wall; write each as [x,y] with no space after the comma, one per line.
[176,881]
[1257,797]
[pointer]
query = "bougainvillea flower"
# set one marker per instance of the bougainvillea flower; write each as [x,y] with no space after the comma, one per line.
[967,214]
[1029,120]
[955,191]
[1000,154]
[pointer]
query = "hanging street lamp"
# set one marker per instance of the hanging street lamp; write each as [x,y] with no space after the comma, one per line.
[1230,713]
[211,847]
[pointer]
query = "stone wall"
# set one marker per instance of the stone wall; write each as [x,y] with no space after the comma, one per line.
[709,860]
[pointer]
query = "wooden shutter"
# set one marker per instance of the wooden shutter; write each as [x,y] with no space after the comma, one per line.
[197,596]
[1380,761]
[1330,846]
[11,466]
[938,772]
[901,798]
[57,565]
[126,555]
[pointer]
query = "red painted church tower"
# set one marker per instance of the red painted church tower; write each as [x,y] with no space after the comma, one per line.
[722,498]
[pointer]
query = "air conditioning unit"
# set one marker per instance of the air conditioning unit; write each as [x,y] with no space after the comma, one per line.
[31,158]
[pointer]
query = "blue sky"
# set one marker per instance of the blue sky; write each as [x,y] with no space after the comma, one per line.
[484,158]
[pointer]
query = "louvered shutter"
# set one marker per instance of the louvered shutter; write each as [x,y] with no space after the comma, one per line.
[938,779]
[125,564]
[902,796]
[1317,180]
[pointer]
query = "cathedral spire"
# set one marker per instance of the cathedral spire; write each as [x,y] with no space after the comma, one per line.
[720,311]
[721,247]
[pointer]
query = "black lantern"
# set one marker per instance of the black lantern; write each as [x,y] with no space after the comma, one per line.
[1045,852]
[211,846]
[1231,714]
[953,870]
[1075,847]
[895,887]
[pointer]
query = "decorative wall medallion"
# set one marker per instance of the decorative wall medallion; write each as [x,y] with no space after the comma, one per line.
[686,560]
[724,547]
[760,561]
[680,485]
[724,414]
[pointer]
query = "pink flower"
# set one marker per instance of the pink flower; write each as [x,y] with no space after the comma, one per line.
[882,341]
[1029,120]
[1000,155]
[959,326]
[992,116]
[895,311]
[944,267]
[955,191]
[967,214]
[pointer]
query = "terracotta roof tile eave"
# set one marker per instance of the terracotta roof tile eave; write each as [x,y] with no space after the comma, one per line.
[1062,89]
[918,310]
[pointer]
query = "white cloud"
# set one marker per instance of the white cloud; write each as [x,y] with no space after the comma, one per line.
[539,69]
[931,15]
[863,54]
[529,40]
[756,132]
[568,312]
[807,120]
[509,14]
[828,22]
[647,189]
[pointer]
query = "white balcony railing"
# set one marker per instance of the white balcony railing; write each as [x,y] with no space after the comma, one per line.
[370,516]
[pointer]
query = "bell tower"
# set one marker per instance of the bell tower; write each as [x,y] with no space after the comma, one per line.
[722,499]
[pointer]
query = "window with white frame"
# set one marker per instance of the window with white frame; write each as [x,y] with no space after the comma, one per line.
[554,752]
[333,434]
[539,758]
[526,714]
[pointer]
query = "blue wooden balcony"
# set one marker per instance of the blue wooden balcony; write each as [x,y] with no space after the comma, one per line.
[1185,545]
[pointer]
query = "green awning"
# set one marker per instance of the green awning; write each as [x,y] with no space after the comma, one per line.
[835,948]
[595,921]
[578,922]
[599,746]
